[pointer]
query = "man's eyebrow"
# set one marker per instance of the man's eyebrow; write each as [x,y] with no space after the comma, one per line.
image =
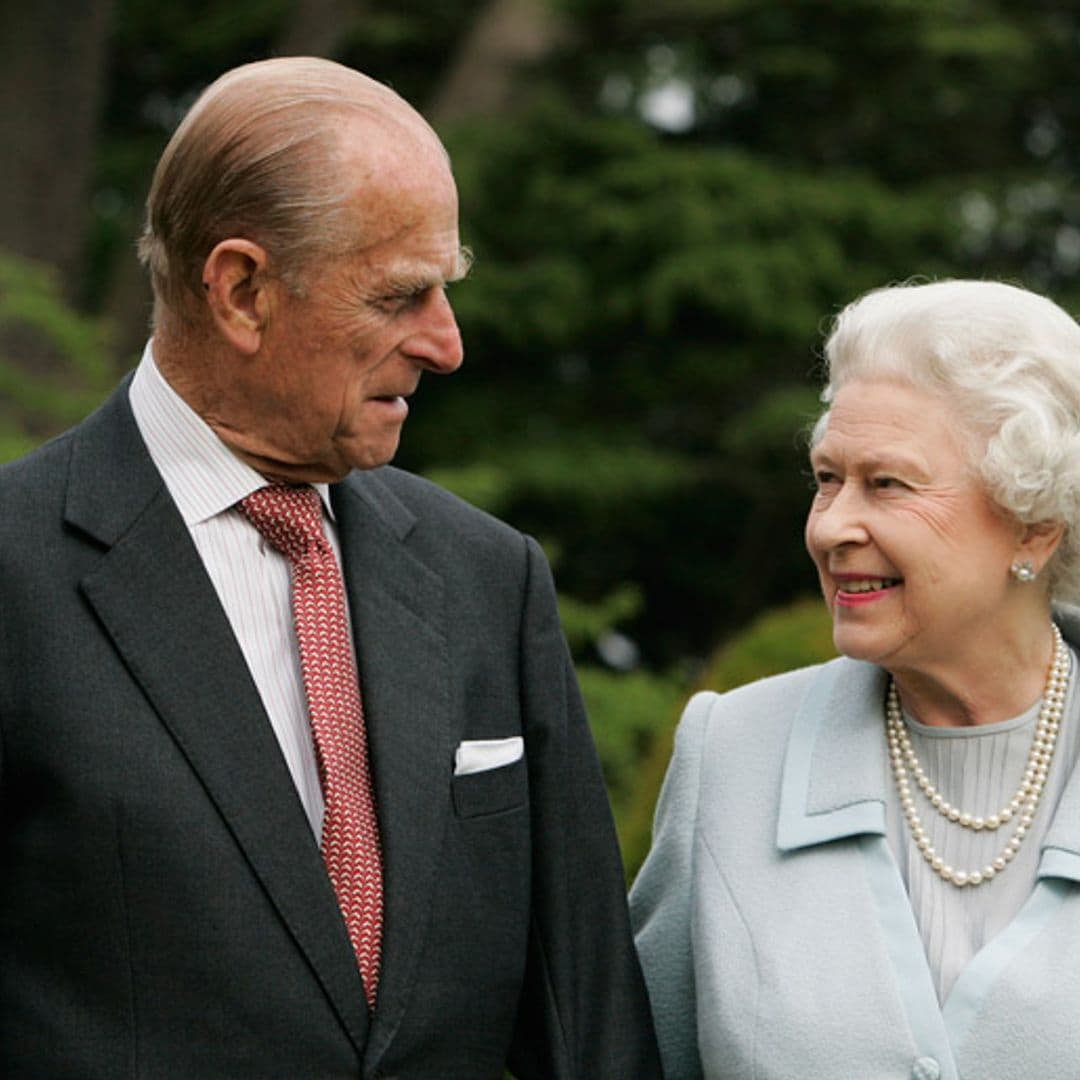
[463,266]
[416,279]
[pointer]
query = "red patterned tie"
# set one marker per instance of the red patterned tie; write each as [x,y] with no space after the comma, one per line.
[290,518]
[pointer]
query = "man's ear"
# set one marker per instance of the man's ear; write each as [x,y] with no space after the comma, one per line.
[238,292]
[1039,542]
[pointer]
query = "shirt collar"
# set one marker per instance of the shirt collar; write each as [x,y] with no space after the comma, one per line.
[204,477]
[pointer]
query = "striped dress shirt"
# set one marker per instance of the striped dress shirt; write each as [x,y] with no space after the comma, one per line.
[206,481]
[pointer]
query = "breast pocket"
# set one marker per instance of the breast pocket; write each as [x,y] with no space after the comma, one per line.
[492,791]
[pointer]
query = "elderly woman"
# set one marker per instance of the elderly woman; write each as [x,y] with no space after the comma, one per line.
[871,868]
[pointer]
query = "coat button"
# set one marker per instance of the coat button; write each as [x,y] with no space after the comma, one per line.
[925,1068]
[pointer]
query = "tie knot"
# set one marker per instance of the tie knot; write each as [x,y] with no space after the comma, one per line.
[289,518]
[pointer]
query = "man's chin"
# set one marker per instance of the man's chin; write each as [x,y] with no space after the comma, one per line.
[323,471]
[335,463]
[366,456]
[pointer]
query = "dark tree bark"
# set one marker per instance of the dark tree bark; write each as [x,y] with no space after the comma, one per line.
[507,38]
[319,27]
[52,69]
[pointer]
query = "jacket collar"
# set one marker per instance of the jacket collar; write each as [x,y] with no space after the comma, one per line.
[836,775]
[154,600]
[1061,845]
[833,781]
[116,499]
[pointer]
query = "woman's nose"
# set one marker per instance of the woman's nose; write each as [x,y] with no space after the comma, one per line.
[840,521]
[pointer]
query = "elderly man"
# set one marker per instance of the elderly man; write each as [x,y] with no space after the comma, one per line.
[294,776]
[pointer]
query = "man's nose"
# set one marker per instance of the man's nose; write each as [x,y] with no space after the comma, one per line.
[436,344]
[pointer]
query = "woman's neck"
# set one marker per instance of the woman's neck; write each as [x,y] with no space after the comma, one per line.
[987,685]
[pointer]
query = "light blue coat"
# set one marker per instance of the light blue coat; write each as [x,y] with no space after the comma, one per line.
[773,924]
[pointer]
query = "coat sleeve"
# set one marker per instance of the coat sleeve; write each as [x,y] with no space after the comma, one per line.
[584,1013]
[661,901]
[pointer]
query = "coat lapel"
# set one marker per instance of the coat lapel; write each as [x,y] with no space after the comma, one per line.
[150,591]
[397,607]
[835,786]
[835,765]
[1061,845]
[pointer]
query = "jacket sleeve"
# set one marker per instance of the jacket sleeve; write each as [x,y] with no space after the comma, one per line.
[584,1013]
[661,901]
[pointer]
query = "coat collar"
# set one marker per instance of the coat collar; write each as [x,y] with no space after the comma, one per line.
[836,775]
[155,601]
[1061,845]
[833,781]
[149,589]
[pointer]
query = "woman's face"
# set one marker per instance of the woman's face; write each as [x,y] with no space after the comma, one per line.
[912,555]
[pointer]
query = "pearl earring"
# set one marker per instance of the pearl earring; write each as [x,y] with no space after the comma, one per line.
[1024,572]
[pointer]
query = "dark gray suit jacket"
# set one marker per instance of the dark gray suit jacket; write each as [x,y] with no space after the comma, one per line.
[164,912]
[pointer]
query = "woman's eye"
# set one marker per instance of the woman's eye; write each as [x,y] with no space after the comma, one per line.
[887,482]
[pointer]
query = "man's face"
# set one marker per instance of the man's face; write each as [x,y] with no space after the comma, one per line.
[327,391]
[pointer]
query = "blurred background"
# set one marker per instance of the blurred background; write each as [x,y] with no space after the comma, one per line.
[667,201]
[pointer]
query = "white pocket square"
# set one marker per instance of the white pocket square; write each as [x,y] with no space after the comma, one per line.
[479,755]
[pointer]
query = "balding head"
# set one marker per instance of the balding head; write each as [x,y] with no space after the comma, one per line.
[258,156]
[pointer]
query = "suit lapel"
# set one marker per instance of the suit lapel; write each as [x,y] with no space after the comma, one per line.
[397,607]
[156,603]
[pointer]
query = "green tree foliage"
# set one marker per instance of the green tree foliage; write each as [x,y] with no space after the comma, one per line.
[34,404]
[652,280]
[661,240]
[780,639]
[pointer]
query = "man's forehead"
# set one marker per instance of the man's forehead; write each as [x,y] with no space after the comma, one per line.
[379,143]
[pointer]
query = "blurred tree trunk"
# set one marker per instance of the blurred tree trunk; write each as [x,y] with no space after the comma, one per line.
[53,61]
[52,68]
[319,27]
[484,77]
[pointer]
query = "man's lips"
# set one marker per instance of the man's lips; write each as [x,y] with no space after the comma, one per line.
[396,402]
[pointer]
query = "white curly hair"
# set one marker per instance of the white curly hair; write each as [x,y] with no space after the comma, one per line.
[1008,362]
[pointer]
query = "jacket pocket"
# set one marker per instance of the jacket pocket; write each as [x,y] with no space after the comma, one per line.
[491,791]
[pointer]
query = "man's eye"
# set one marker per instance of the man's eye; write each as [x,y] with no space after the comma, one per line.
[390,305]
[887,482]
[823,479]
[395,303]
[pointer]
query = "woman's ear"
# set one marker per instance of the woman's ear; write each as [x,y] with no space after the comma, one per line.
[1038,543]
[238,292]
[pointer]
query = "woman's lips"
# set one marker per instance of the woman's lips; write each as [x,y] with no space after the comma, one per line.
[857,591]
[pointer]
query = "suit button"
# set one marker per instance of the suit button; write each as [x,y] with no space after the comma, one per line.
[925,1068]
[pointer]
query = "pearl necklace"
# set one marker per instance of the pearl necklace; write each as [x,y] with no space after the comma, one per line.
[1022,805]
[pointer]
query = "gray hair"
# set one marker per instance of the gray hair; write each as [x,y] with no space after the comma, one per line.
[1008,362]
[256,157]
